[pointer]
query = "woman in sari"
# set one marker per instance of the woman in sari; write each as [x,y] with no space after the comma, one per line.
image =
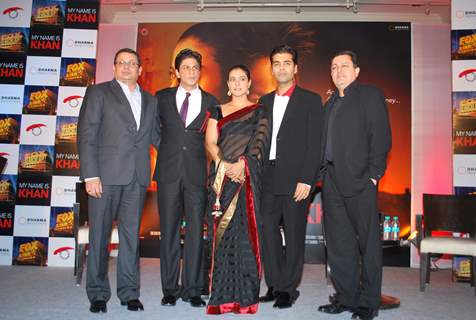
[236,139]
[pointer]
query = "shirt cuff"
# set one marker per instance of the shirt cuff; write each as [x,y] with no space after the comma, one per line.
[89,179]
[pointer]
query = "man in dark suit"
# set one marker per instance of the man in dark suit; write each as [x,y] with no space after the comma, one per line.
[117,123]
[358,139]
[181,173]
[290,173]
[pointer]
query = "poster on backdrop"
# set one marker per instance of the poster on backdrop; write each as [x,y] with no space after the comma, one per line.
[223,44]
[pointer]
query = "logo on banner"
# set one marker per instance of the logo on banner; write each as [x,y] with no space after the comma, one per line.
[45,41]
[33,191]
[12,69]
[9,128]
[64,194]
[468,74]
[49,12]
[7,214]
[8,186]
[40,100]
[61,222]
[63,252]
[35,159]
[11,98]
[13,40]
[35,128]
[12,12]
[82,15]
[79,43]
[43,71]
[6,250]
[466,14]
[77,72]
[73,101]
[30,251]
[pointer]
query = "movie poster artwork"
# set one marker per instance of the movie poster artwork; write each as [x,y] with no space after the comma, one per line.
[10,128]
[224,44]
[48,12]
[62,222]
[463,44]
[40,100]
[45,41]
[36,160]
[7,218]
[82,15]
[13,40]
[8,188]
[77,72]
[30,251]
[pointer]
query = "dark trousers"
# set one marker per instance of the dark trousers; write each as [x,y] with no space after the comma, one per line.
[283,268]
[176,200]
[354,250]
[123,203]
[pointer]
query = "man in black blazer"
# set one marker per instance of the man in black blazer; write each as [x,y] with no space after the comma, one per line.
[290,173]
[116,126]
[181,173]
[358,139]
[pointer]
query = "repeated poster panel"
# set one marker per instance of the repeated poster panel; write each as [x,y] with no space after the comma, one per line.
[463,54]
[47,59]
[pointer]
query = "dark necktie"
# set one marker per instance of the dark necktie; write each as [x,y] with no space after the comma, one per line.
[184,109]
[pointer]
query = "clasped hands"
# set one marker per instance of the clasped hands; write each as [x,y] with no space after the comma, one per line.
[235,171]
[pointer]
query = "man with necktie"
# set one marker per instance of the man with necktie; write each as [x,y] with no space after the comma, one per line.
[181,172]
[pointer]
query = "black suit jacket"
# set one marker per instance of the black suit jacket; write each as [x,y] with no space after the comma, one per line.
[181,150]
[109,144]
[298,143]
[361,137]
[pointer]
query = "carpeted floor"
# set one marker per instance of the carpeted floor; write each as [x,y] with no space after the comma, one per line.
[49,293]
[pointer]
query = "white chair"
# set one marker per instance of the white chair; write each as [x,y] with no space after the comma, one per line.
[447,213]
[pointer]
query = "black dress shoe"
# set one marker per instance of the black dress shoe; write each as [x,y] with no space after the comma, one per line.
[283,301]
[98,306]
[196,301]
[269,296]
[133,305]
[364,313]
[169,300]
[334,308]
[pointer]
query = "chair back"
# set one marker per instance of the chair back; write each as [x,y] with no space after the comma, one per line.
[455,213]
[82,200]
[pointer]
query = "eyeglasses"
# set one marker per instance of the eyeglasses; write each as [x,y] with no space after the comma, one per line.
[122,64]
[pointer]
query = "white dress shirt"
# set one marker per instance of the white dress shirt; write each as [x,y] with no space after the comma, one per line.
[279,108]
[135,100]
[194,103]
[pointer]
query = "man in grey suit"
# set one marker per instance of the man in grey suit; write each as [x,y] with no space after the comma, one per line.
[117,123]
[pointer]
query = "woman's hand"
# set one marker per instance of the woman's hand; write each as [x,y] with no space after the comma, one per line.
[236,171]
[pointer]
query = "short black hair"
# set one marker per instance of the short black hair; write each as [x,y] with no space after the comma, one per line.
[243,68]
[127,50]
[284,48]
[351,54]
[185,54]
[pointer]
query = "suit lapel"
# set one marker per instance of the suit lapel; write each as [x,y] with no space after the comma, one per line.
[172,102]
[290,107]
[124,105]
[203,108]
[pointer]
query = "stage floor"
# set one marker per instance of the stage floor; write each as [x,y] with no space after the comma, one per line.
[28,292]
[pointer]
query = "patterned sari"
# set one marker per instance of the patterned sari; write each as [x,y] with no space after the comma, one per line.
[236,266]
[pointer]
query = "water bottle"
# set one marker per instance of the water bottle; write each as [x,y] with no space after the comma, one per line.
[395,229]
[387,228]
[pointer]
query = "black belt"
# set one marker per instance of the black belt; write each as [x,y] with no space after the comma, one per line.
[271,163]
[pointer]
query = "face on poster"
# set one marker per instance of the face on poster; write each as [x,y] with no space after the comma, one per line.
[224,44]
